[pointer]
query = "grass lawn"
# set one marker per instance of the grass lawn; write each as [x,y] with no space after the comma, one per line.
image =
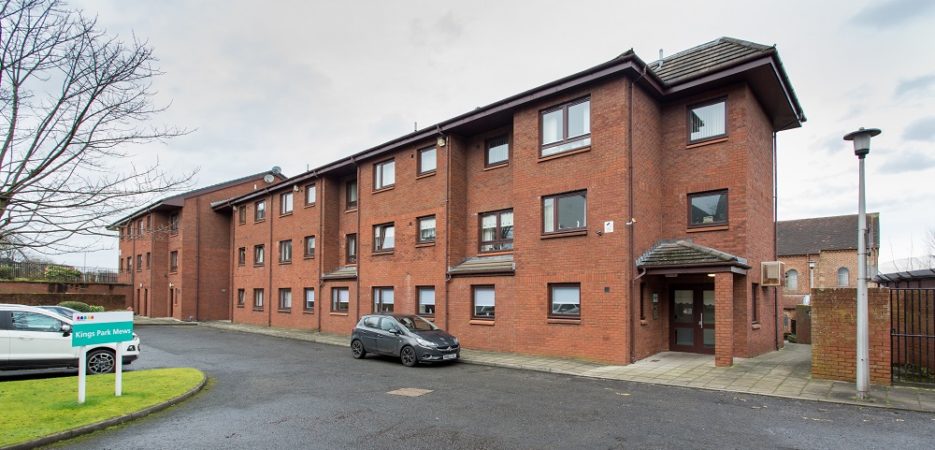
[37,408]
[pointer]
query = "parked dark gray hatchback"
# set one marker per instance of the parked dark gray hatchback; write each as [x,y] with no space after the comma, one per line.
[411,338]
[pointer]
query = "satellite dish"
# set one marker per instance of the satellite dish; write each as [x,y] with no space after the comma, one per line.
[268,178]
[276,169]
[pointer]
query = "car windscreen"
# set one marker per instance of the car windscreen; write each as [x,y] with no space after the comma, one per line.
[416,323]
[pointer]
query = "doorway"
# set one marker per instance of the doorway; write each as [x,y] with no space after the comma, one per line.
[692,326]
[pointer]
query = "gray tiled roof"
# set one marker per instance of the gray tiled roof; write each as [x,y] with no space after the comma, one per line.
[686,253]
[342,273]
[707,58]
[484,265]
[811,236]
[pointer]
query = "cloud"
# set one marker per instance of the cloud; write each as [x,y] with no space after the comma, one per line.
[921,130]
[909,161]
[892,13]
[920,86]
[442,31]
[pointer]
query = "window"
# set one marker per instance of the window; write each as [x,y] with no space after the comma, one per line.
[426,230]
[260,212]
[129,264]
[384,238]
[843,276]
[565,212]
[242,213]
[309,246]
[310,195]
[119,264]
[285,251]
[139,263]
[174,223]
[309,299]
[496,231]
[792,280]
[174,261]
[498,151]
[427,161]
[258,299]
[384,174]
[285,203]
[483,300]
[258,255]
[149,259]
[241,294]
[241,256]
[566,127]
[382,299]
[142,227]
[30,321]
[707,121]
[426,300]
[756,306]
[148,225]
[565,300]
[707,209]
[340,298]
[351,194]
[350,247]
[285,299]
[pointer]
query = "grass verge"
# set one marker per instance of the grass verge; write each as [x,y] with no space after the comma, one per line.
[37,408]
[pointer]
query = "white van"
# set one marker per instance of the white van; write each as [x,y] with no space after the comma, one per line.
[35,338]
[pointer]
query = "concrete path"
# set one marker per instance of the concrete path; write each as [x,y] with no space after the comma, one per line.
[784,373]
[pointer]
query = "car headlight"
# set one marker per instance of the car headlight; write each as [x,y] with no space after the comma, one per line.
[425,343]
[455,340]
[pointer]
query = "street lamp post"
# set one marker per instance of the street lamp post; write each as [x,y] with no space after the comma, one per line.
[861,139]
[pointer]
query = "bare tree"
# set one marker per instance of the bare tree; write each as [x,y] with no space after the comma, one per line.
[71,99]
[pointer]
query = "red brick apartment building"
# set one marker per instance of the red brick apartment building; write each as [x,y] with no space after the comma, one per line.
[821,252]
[175,251]
[609,215]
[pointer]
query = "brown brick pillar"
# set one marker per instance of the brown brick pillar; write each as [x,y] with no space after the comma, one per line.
[724,319]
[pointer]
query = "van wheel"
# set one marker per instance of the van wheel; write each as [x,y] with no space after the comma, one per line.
[101,361]
[408,356]
[357,349]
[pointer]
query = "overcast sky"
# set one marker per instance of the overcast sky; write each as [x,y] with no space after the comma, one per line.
[301,83]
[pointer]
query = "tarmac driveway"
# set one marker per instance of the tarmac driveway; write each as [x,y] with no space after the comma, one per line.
[269,392]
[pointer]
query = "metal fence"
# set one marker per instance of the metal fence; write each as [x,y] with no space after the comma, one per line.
[55,273]
[912,336]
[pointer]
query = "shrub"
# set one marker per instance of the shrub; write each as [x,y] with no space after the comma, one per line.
[62,273]
[79,306]
[95,308]
[6,271]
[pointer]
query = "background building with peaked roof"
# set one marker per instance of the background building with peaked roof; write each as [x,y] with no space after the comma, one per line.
[821,252]
[174,251]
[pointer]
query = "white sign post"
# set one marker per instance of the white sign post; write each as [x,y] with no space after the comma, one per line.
[100,328]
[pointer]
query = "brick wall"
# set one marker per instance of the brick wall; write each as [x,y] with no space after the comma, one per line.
[34,287]
[834,334]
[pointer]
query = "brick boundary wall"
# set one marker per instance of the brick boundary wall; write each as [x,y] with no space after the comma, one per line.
[109,302]
[834,338]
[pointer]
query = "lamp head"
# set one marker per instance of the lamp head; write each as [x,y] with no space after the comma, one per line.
[861,139]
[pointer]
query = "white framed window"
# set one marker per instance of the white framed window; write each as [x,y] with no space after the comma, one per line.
[427,160]
[844,276]
[426,299]
[285,203]
[384,174]
[383,299]
[309,299]
[483,301]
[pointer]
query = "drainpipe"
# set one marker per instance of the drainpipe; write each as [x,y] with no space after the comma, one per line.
[230,265]
[447,227]
[632,230]
[267,256]
[321,226]
[360,236]
[197,258]
[776,318]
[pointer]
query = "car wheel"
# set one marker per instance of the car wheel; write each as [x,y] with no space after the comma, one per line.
[101,361]
[408,356]
[357,349]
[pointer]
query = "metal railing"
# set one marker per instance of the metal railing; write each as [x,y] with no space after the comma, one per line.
[912,336]
[56,273]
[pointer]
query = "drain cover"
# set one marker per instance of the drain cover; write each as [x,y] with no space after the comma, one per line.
[410,392]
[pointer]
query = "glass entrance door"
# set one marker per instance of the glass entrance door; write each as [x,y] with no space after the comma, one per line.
[692,326]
